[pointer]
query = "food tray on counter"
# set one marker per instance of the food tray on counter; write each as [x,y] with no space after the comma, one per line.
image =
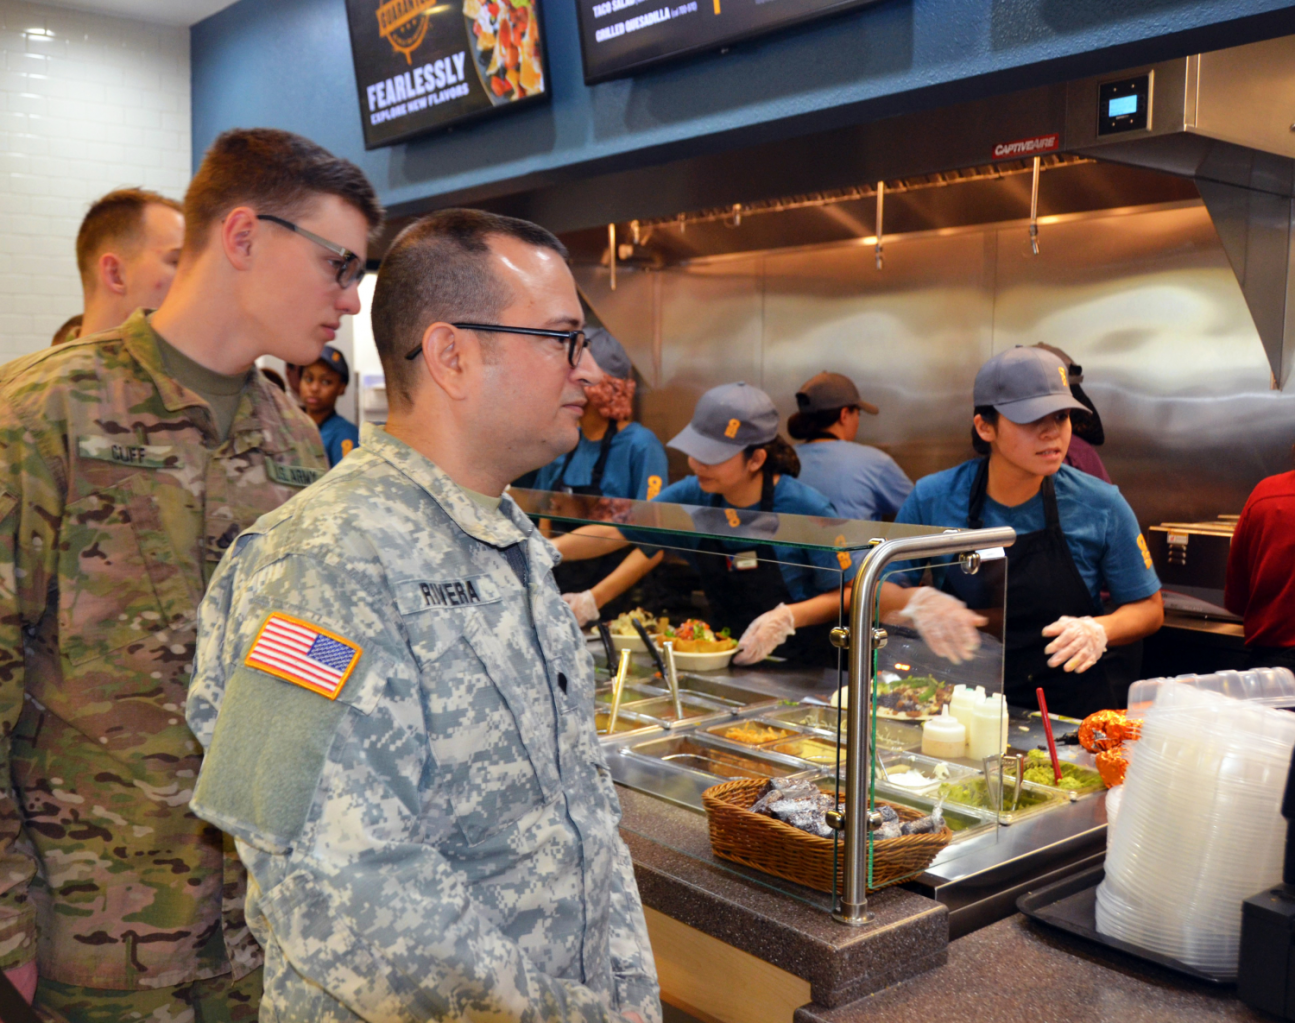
[712,690]
[891,734]
[659,710]
[760,842]
[1070,905]
[717,761]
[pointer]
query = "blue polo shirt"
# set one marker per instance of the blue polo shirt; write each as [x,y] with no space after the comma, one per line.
[1101,529]
[861,482]
[339,436]
[807,573]
[636,465]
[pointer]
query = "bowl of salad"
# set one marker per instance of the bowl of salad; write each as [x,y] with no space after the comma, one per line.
[697,647]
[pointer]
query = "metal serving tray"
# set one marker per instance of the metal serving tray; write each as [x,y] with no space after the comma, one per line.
[700,755]
[891,735]
[626,725]
[719,732]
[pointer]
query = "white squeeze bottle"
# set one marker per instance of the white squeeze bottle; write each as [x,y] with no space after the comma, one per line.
[944,737]
[988,729]
[964,702]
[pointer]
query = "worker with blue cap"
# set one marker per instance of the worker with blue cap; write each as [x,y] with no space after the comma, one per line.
[774,598]
[1076,537]
[322,383]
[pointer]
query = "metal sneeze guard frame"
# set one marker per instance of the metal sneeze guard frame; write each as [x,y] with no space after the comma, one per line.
[862,643]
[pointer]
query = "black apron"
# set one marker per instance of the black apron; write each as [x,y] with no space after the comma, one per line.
[741,587]
[578,576]
[1042,585]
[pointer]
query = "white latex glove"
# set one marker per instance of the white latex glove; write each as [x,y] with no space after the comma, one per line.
[765,634]
[1079,645]
[945,623]
[583,606]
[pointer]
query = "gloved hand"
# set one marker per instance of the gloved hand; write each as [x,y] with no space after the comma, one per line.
[583,606]
[766,633]
[945,623]
[1080,642]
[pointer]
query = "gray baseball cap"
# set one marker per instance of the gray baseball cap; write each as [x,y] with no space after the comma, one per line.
[609,353]
[1025,384]
[728,419]
[829,391]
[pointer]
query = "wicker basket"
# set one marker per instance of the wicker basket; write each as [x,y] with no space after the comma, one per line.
[755,840]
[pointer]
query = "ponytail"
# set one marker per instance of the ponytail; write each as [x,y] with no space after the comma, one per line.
[780,458]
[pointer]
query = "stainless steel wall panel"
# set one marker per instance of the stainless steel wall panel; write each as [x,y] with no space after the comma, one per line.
[911,335]
[1148,305]
[1145,301]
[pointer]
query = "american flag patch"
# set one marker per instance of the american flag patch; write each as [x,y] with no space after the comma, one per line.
[304,654]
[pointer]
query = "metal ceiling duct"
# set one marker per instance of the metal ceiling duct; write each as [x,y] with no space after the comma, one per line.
[1227,121]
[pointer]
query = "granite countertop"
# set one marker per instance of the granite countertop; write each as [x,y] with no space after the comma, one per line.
[678,876]
[1017,970]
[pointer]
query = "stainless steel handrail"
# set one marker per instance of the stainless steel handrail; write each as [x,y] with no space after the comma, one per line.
[862,642]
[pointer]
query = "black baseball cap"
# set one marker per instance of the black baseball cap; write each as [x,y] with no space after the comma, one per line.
[727,420]
[336,361]
[1025,384]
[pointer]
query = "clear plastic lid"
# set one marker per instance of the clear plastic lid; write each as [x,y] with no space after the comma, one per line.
[1272,687]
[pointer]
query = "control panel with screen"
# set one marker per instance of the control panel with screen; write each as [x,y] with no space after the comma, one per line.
[1124,105]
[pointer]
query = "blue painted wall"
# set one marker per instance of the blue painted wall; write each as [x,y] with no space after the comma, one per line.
[287,63]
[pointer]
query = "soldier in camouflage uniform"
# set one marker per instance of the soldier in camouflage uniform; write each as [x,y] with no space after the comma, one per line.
[398,709]
[120,490]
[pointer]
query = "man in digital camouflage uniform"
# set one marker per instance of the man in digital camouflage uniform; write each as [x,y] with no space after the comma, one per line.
[396,703]
[129,461]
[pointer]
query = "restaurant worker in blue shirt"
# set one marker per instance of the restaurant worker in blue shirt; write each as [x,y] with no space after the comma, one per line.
[322,383]
[1075,536]
[860,481]
[615,457]
[786,600]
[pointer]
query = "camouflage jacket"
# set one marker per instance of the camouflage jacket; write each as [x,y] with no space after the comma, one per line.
[416,786]
[117,501]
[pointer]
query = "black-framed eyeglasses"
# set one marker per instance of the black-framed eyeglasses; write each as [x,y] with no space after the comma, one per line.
[576,340]
[350,269]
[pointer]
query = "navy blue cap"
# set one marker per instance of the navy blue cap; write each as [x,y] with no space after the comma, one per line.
[336,361]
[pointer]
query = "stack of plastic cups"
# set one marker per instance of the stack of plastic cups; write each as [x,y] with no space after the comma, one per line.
[1200,827]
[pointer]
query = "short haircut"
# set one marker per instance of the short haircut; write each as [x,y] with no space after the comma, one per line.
[116,220]
[273,172]
[438,270]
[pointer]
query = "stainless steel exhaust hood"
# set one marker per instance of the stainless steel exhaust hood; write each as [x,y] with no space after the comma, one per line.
[1227,121]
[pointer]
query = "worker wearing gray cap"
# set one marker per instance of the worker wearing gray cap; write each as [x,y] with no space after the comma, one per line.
[774,598]
[861,482]
[615,457]
[1075,537]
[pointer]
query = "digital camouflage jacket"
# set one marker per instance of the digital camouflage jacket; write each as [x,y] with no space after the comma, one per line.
[398,711]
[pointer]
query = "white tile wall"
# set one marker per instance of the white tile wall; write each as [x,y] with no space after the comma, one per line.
[88,103]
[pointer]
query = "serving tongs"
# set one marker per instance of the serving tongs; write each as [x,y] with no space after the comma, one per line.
[618,687]
[665,665]
[995,765]
[609,648]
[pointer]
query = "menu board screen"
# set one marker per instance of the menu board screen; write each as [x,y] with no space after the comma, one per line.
[423,64]
[619,37]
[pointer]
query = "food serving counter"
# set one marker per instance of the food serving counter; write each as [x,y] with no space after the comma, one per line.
[852,872]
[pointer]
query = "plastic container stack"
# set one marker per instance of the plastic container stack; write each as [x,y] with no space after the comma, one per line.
[1271,687]
[1200,826]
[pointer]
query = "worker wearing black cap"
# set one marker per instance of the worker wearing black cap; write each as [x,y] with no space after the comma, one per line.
[786,601]
[861,482]
[1075,537]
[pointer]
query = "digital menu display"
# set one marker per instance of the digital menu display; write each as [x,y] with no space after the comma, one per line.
[424,64]
[620,37]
